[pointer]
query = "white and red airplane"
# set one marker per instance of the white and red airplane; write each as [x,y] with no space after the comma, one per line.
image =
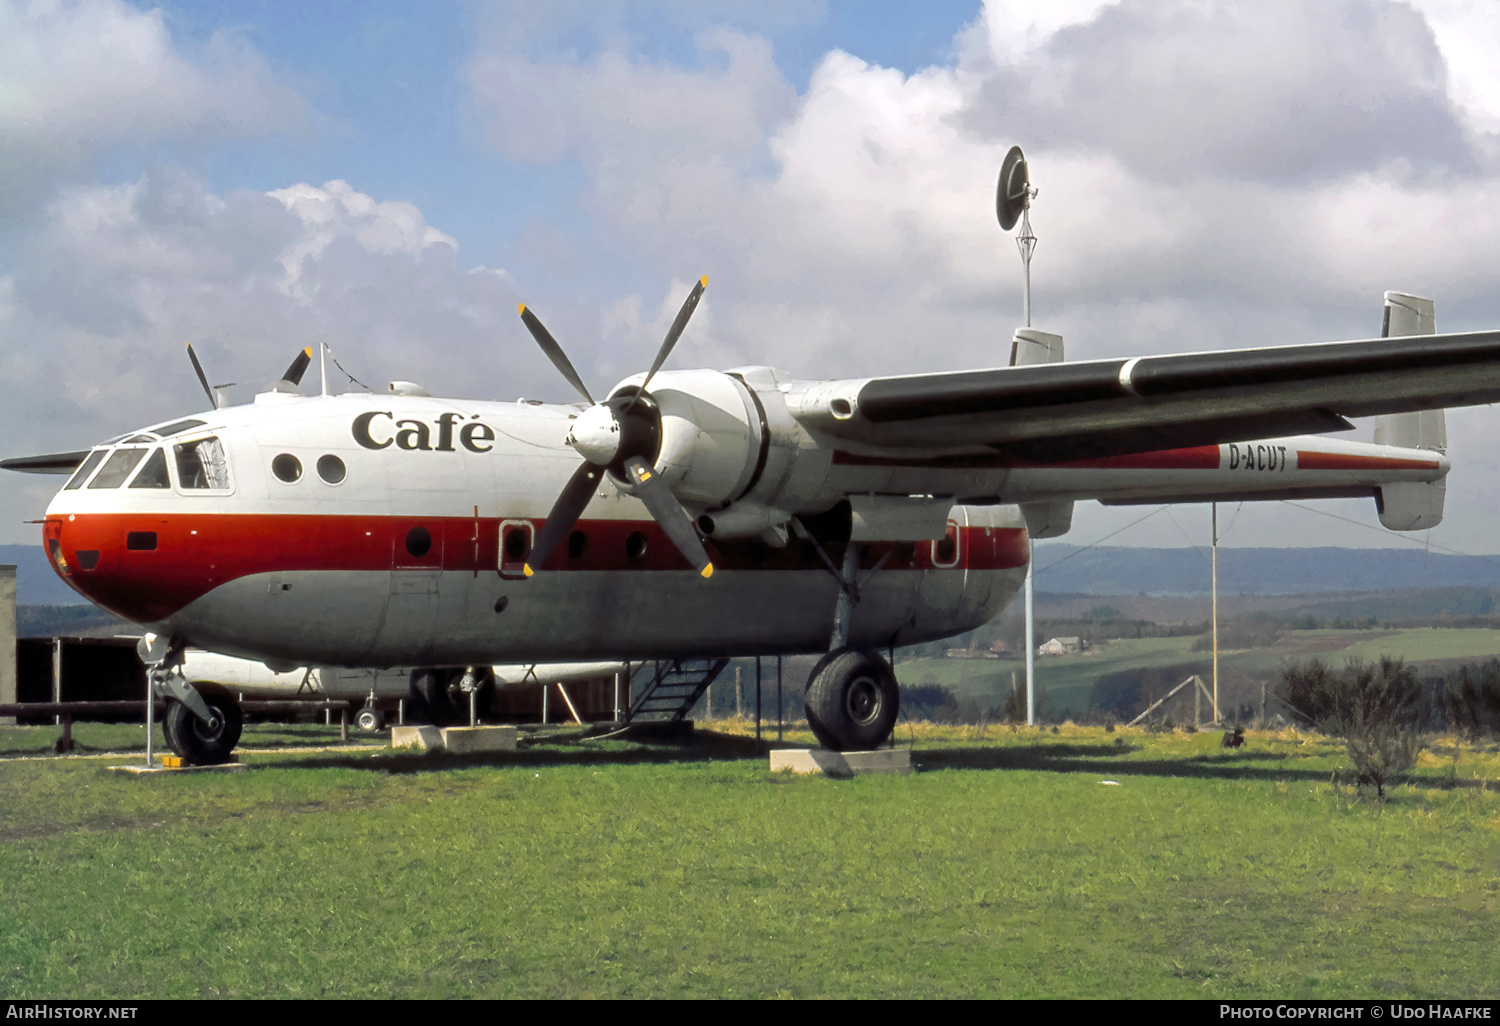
[704,513]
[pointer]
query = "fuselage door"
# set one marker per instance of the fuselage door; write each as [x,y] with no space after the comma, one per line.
[516,539]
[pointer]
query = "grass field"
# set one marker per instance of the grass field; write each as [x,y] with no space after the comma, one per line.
[1003,867]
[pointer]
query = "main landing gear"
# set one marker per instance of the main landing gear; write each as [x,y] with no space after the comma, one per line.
[852,698]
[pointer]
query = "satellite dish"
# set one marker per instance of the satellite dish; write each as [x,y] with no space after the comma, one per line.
[1013,193]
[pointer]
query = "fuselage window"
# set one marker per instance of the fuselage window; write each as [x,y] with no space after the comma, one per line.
[83,472]
[286,467]
[117,468]
[154,473]
[331,469]
[176,427]
[418,542]
[201,464]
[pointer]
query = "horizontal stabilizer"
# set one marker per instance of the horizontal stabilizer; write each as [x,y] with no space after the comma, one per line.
[54,463]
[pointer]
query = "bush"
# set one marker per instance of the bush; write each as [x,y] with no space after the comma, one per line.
[1472,698]
[1372,706]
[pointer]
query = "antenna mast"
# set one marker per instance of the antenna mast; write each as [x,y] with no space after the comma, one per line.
[1013,196]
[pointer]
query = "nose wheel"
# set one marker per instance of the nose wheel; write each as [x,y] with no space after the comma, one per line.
[852,700]
[204,744]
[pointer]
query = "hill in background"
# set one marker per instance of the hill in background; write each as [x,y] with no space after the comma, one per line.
[1106,570]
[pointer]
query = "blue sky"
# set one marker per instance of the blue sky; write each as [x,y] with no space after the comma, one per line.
[393,178]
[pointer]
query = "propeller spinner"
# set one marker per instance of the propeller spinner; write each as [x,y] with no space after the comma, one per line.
[621,436]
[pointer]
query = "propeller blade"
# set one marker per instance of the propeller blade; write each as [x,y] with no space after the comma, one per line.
[202,378]
[673,333]
[299,367]
[669,514]
[565,513]
[553,350]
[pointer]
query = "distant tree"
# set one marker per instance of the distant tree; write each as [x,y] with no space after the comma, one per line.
[1374,707]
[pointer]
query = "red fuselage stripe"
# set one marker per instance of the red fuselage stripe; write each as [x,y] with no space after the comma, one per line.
[1342,461]
[1202,457]
[194,553]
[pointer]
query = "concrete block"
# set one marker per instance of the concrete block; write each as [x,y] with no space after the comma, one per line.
[223,767]
[470,740]
[425,738]
[841,764]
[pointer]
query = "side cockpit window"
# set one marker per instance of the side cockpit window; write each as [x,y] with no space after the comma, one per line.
[154,473]
[117,468]
[82,473]
[201,465]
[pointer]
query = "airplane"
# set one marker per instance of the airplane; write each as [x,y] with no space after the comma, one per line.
[703,513]
[381,688]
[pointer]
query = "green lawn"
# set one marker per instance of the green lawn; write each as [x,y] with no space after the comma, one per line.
[1003,867]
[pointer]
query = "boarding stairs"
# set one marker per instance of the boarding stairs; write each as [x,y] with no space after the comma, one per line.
[665,691]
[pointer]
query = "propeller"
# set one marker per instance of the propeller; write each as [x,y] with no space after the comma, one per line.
[621,436]
[293,375]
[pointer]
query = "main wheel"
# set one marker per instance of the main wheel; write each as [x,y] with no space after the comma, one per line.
[195,740]
[369,718]
[852,700]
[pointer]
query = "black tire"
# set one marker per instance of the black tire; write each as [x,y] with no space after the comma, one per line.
[194,740]
[369,718]
[852,700]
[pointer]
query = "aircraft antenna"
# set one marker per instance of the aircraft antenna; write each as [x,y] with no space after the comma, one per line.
[1013,196]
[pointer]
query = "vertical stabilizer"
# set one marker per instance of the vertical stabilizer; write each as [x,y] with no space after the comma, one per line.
[1029,346]
[1415,505]
[1422,429]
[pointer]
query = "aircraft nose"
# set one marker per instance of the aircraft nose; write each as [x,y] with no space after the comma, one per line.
[115,563]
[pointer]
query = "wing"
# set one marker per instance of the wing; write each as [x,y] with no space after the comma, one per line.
[1109,407]
[53,463]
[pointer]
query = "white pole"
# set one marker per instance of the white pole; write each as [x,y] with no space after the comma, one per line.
[1216,609]
[323,366]
[1026,242]
[1030,649]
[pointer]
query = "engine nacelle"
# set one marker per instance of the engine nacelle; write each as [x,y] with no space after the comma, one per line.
[710,435]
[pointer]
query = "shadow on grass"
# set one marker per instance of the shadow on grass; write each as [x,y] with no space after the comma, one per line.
[707,746]
[1105,759]
[553,750]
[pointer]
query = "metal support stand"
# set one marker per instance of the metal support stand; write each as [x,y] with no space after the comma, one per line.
[757,698]
[778,698]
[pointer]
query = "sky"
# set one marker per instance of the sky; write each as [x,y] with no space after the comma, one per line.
[392,179]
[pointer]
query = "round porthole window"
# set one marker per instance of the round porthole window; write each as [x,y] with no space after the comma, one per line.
[635,546]
[286,467]
[331,469]
[418,542]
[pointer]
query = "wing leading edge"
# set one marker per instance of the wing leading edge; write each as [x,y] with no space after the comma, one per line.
[1109,407]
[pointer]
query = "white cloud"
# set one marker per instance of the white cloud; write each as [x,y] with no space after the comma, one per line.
[1211,176]
[79,77]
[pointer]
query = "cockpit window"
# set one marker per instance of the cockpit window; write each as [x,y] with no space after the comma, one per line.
[117,468]
[154,473]
[201,464]
[82,473]
[176,427]
[140,438]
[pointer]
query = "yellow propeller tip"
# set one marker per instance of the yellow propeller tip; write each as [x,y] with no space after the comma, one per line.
[703,281]
[708,571]
[307,350]
[521,309]
[526,569]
